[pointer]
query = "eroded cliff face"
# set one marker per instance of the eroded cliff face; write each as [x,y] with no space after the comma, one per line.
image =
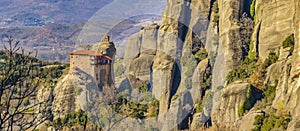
[173,65]
[164,56]
[278,20]
[230,12]
[77,91]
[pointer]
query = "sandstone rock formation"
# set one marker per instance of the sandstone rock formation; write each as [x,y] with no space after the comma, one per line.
[277,22]
[232,98]
[163,55]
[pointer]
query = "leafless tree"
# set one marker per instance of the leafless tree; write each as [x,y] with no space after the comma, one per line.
[246,29]
[19,82]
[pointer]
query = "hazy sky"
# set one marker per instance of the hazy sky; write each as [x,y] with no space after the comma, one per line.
[115,12]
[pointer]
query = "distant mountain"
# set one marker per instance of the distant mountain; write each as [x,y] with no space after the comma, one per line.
[41,12]
[54,27]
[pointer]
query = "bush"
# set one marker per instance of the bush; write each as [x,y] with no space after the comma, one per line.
[215,7]
[249,102]
[130,108]
[78,90]
[216,19]
[270,121]
[252,8]
[190,63]
[258,122]
[153,108]
[205,101]
[201,54]
[289,42]
[247,68]
[142,88]
[26,102]
[207,78]
[237,74]
[251,53]
[269,91]
[73,119]
[272,58]
[199,107]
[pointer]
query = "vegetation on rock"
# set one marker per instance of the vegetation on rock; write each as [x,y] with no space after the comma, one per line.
[190,63]
[251,53]
[272,58]
[252,8]
[249,102]
[153,108]
[215,9]
[78,118]
[246,30]
[22,76]
[207,78]
[269,93]
[271,121]
[252,69]
[201,54]
[289,42]
[247,67]
[135,109]
[141,86]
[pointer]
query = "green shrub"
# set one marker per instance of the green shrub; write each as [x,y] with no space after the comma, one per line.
[237,74]
[269,91]
[207,79]
[247,67]
[249,102]
[78,90]
[251,53]
[199,107]
[252,8]
[153,108]
[216,19]
[130,108]
[270,121]
[201,54]
[142,88]
[258,122]
[190,63]
[26,102]
[215,7]
[73,119]
[289,42]
[206,101]
[272,58]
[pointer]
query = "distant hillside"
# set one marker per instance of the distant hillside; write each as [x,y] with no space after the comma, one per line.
[41,12]
[52,26]
[54,41]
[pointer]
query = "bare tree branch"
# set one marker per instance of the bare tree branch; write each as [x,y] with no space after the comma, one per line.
[18,86]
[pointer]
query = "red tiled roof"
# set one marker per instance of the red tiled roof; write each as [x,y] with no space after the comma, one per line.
[106,57]
[90,53]
[86,52]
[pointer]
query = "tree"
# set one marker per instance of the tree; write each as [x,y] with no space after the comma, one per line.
[246,31]
[19,82]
